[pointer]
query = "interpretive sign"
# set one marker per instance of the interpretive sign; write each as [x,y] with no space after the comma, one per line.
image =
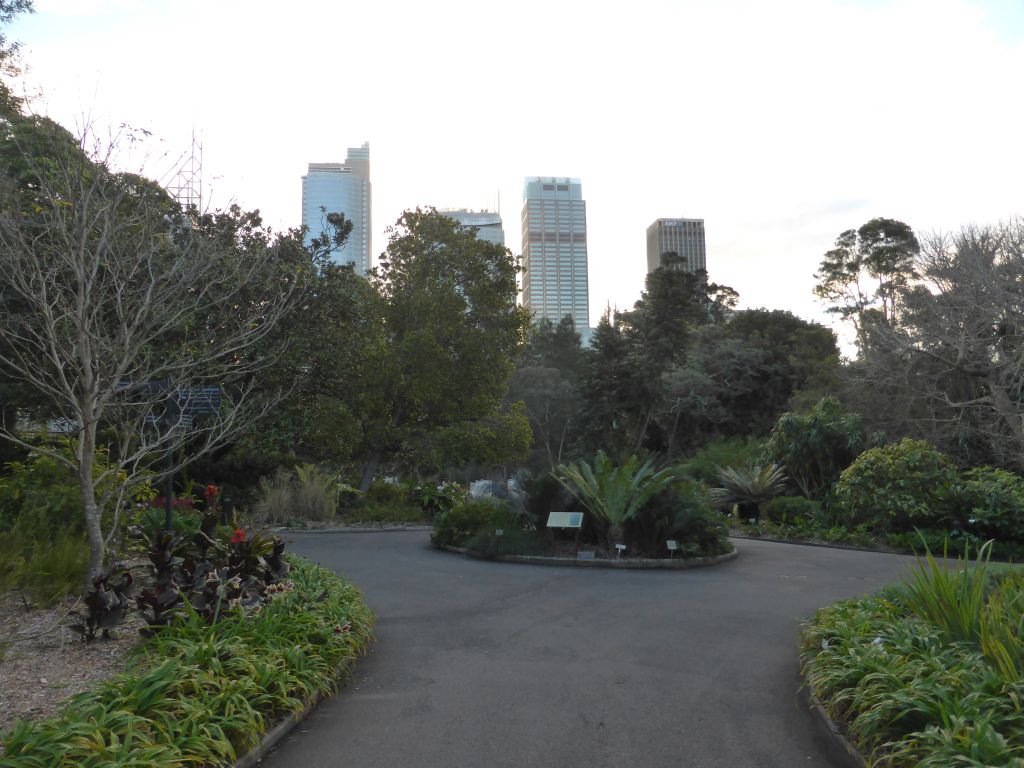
[587,554]
[672,545]
[565,519]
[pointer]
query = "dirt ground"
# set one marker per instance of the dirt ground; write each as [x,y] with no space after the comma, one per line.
[42,662]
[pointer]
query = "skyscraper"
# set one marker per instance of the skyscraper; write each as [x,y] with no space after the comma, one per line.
[343,187]
[555,250]
[684,237]
[487,223]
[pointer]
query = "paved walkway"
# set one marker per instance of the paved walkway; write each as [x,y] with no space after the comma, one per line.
[485,665]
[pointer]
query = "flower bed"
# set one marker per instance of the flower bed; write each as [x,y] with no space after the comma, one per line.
[201,693]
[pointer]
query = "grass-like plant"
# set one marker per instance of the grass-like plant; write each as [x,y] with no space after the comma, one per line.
[1002,627]
[951,598]
[200,694]
[613,493]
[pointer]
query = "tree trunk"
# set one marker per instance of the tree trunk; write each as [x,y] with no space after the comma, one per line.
[369,470]
[87,487]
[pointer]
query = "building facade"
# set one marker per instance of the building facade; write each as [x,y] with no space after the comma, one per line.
[487,223]
[554,220]
[342,187]
[684,237]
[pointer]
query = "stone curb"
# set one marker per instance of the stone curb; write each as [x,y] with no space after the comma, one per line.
[358,529]
[821,544]
[637,564]
[282,728]
[855,758]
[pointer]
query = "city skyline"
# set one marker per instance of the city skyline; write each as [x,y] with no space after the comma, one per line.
[814,115]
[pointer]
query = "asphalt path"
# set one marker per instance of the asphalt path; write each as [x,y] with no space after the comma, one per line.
[493,664]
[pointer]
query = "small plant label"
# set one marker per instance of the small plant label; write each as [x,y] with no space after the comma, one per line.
[499,531]
[620,548]
[672,545]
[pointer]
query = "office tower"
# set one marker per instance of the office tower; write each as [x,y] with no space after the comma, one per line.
[487,223]
[683,237]
[555,250]
[341,187]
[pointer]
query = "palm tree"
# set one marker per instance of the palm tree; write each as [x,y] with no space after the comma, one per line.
[613,493]
[748,487]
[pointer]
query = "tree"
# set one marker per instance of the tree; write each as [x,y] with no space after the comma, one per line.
[866,273]
[117,308]
[955,361]
[451,329]
[545,382]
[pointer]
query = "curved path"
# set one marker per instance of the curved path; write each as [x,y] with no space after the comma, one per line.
[484,665]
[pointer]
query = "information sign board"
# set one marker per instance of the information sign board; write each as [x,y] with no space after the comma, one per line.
[565,519]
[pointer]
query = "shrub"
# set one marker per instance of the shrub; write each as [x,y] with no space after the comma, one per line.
[704,465]
[748,488]
[513,541]
[791,510]
[815,447]
[682,513]
[897,487]
[316,494]
[459,524]
[992,500]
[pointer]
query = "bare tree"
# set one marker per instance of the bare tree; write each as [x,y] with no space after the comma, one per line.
[119,309]
[954,363]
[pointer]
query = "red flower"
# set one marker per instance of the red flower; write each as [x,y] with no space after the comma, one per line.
[239,536]
[211,492]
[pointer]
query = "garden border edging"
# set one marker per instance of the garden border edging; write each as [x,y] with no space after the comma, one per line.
[282,728]
[856,759]
[646,563]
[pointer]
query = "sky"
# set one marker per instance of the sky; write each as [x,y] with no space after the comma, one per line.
[781,124]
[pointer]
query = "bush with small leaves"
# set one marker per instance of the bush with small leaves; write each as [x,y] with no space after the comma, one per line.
[897,487]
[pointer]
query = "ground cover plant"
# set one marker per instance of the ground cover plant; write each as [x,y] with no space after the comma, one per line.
[927,673]
[201,693]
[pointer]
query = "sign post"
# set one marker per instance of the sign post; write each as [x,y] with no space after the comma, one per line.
[567,520]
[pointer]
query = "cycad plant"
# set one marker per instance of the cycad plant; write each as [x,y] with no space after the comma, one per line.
[748,487]
[612,492]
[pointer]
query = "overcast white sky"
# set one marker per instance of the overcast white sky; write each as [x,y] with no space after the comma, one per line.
[780,123]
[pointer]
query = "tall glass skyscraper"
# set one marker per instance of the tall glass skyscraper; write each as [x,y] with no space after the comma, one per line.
[343,187]
[555,250]
[487,223]
[683,237]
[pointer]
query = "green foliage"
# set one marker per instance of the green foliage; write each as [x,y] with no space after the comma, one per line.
[307,493]
[947,597]
[817,446]
[201,694]
[909,697]
[613,493]
[459,524]
[748,487]
[513,541]
[46,568]
[436,499]
[705,464]
[992,500]
[1001,633]
[790,510]
[897,487]
[681,512]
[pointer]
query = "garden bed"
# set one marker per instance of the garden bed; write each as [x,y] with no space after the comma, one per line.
[928,673]
[206,694]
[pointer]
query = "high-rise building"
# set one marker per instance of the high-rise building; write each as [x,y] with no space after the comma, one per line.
[345,188]
[487,223]
[555,250]
[683,237]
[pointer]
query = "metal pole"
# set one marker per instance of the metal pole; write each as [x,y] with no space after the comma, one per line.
[169,492]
